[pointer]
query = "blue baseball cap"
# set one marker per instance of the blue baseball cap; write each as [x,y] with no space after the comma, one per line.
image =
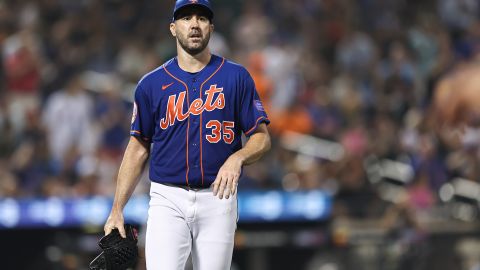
[205,4]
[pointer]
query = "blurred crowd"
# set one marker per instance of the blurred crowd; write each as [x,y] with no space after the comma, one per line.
[360,73]
[360,76]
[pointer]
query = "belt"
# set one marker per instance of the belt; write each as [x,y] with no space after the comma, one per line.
[187,187]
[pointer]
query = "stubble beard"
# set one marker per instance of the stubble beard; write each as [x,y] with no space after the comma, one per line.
[193,49]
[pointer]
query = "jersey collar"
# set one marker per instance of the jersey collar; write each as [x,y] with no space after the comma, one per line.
[212,65]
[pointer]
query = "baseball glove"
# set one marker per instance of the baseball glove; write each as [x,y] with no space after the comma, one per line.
[118,253]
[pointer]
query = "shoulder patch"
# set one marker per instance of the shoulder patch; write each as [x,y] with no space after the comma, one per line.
[135,110]
[258,105]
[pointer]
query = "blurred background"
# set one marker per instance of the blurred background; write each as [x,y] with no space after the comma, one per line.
[361,174]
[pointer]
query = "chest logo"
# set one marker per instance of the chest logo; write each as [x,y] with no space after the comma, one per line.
[166,86]
[175,105]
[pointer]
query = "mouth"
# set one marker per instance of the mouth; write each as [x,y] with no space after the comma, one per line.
[195,35]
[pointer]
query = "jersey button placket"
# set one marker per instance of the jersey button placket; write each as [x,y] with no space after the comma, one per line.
[195,119]
[194,87]
[194,125]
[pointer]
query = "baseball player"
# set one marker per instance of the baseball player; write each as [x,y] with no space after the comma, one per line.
[188,118]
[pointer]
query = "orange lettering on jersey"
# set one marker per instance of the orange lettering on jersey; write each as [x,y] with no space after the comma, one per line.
[174,111]
[220,102]
[210,105]
[196,107]
[175,106]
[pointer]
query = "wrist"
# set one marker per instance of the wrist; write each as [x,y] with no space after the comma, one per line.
[240,158]
[117,209]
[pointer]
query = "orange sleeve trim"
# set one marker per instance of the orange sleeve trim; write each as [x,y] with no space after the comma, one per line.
[138,133]
[256,124]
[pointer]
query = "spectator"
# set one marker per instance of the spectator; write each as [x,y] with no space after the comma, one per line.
[69,124]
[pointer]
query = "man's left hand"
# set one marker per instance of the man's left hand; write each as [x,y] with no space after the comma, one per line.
[227,178]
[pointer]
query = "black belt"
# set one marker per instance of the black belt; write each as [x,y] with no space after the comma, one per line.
[187,187]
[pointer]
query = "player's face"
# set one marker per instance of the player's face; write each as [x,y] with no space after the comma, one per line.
[192,28]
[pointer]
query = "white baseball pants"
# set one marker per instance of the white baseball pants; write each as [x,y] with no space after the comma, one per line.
[181,221]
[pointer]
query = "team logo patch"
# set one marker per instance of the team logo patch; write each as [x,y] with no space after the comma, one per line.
[134,114]
[258,105]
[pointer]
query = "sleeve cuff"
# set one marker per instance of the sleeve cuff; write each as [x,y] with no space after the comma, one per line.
[138,134]
[261,119]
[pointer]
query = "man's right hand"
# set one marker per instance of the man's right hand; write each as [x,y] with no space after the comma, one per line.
[115,221]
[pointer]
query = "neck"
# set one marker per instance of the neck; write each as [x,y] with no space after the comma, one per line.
[193,63]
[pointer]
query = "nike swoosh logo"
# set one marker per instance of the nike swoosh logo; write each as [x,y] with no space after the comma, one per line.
[166,86]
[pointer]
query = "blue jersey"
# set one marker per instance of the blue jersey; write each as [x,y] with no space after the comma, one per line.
[195,120]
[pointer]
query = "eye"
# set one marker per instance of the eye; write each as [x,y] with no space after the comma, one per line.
[203,19]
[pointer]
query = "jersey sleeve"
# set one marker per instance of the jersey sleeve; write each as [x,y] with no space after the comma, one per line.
[142,118]
[252,112]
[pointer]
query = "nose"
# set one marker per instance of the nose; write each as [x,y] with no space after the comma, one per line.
[194,21]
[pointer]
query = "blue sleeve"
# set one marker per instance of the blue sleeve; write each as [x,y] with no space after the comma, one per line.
[142,118]
[252,112]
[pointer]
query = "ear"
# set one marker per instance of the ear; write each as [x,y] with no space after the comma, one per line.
[172,29]
[211,27]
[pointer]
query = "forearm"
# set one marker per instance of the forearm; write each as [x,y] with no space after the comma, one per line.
[255,147]
[225,183]
[132,165]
